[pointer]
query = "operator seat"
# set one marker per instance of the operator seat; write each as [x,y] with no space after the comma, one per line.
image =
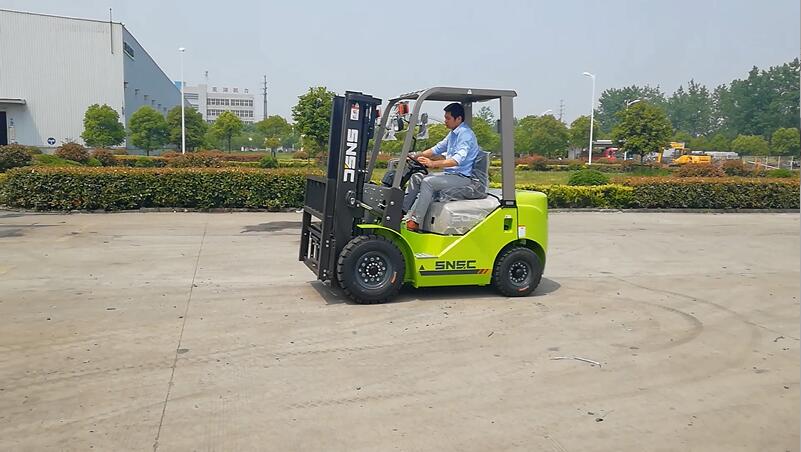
[456,210]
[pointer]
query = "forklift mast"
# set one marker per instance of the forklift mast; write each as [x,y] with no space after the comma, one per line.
[333,204]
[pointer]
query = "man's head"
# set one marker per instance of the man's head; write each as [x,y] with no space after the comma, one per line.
[454,115]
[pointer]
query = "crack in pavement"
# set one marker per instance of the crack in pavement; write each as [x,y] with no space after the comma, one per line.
[180,338]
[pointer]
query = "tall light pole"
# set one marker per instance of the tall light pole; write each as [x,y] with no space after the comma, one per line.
[183,115]
[592,112]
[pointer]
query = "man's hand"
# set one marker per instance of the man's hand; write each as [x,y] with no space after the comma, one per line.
[425,161]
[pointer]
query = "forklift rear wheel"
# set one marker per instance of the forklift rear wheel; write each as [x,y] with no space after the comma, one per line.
[370,269]
[517,272]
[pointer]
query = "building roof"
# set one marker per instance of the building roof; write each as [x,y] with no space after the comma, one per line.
[60,17]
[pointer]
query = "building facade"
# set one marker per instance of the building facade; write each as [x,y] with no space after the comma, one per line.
[210,102]
[52,68]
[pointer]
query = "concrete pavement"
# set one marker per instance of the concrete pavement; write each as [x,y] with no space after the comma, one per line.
[192,331]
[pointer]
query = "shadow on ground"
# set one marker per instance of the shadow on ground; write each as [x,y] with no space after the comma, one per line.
[335,295]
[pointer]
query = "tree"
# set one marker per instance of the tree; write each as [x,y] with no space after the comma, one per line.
[717,142]
[275,129]
[643,128]
[579,135]
[763,102]
[148,129]
[614,100]
[750,145]
[312,115]
[487,138]
[102,126]
[785,141]
[272,144]
[196,127]
[226,127]
[542,135]
[487,115]
[691,110]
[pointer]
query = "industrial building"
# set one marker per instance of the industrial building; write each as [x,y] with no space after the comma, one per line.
[210,102]
[52,68]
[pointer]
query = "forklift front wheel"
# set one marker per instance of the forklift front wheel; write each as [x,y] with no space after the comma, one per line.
[370,269]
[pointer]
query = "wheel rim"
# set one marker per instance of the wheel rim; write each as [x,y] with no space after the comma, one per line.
[520,273]
[372,270]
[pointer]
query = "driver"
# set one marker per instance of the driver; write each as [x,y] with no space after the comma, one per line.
[456,154]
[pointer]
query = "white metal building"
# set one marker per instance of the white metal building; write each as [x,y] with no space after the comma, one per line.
[52,68]
[210,103]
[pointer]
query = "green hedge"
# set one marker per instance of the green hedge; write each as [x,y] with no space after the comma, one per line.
[611,196]
[715,193]
[68,188]
[133,188]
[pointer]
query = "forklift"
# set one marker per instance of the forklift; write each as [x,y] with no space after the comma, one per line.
[352,229]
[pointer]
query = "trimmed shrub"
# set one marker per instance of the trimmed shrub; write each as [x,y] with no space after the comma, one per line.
[533,162]
[13,156]
[170,154]
[94,162]
[195,160]
[611,196]
[381,161]
[73,151]
[715,193]
[699,170]
[734,168]
[52,160]
[146,162]
[119,151]
[588,177]
[105,157]
[268,162]
[140,161]
[130,188]
[537,163]
[293,163]
[780,173]
[300,155]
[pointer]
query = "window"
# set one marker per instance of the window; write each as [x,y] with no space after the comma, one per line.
[236,90]
[128,50]
[225,90]
[246,90]
[214,89]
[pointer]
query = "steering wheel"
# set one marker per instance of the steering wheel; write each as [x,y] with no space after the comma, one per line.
[415,166]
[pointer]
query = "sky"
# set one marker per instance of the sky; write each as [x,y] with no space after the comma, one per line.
[538,48]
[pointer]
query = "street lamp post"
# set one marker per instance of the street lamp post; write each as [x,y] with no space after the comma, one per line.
[183,115]
[592,112]
[546,112]
[630,103]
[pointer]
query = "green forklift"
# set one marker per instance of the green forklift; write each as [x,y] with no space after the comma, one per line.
[352,230]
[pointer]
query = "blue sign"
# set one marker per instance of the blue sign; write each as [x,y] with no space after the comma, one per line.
[51,141]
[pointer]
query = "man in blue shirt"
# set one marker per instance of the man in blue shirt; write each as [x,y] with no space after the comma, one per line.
[456,154]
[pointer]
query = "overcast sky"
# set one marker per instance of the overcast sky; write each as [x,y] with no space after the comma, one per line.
[538,48]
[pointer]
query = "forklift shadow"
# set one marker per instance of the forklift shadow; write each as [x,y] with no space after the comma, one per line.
[335,295]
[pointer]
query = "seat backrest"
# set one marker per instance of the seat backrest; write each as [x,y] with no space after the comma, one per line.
[481,168]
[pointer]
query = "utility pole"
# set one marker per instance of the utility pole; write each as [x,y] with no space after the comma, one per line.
[264,93]
[561,109]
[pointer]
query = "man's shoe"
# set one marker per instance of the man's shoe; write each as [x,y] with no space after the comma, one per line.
[412,225]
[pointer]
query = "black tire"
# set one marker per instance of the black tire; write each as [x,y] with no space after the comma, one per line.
[370,269]
[517,272]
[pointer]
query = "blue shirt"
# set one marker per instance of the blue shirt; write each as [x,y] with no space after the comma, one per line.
[461,146]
